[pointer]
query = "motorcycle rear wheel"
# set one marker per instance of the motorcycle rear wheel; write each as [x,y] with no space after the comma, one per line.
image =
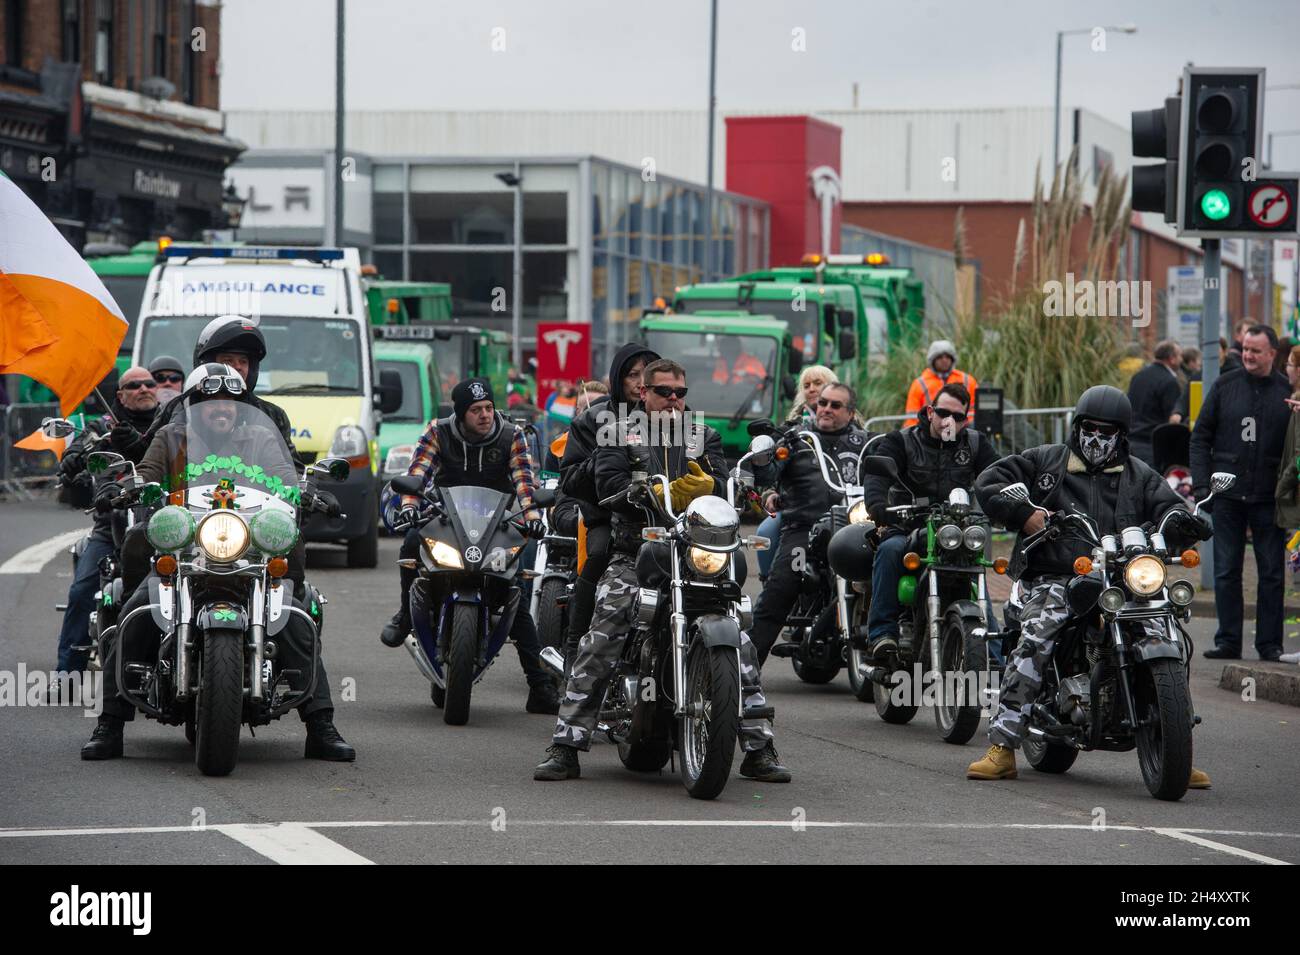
[813,674]
[462,648]
[552,619]
[1049,757]
[708,735]
[219,710]
[886,708]
[1164,743]
[647,756]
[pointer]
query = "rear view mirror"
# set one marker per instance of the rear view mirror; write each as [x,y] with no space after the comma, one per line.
[58,428]
[407,484]
[388,395]
[103,462]
[1220,481]
[847,318]
[848,346]
[880,466]
[788,389]
[761,449]
[796,361]
[337,469]
[1016,492]
[544,497]
[760,426]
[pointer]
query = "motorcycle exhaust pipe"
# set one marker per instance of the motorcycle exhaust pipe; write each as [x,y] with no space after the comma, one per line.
[553,659]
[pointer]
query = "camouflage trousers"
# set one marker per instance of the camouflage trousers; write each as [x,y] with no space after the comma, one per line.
[1044,614]
[602,647]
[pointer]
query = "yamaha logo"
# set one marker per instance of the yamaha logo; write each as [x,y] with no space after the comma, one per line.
[473,555]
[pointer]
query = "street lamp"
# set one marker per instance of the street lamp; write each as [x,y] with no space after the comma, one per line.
[515,180]
[1056,116]
[232,204]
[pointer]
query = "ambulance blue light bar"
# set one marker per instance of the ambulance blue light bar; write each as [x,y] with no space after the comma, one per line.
[250,252]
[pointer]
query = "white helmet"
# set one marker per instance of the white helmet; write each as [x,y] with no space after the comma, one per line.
[941,347]
[214,377]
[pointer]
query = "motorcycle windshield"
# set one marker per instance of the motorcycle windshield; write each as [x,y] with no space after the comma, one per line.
[477,509]
[224,453]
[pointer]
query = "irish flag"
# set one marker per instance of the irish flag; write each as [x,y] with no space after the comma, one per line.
[58,324]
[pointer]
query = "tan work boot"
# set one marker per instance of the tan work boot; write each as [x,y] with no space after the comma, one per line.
[998,763]
[1200,779]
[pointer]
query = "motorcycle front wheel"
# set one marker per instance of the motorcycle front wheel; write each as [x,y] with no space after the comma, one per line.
[712,722]
[963,657]
[462,649]
[552,620]
[219,710]
[862,687]
[1164,737]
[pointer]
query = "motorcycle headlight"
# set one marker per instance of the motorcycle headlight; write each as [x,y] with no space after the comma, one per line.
[223,536]
[1145,575]
[1111,599]
[444,555]
[273,531]
[711,522]
[170,528]
[707,563]
[1181,593]
[975,537]
[949,537]
[349,442]
[858,513]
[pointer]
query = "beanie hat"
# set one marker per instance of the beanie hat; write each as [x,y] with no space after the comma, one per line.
[468,392]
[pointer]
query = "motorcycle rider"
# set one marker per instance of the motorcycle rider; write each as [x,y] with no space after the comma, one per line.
[169,373]
[934,456]
[215,418]
[133,411]
[802,497]
[577,480]
[691,456]
[479,446]
[1095,473]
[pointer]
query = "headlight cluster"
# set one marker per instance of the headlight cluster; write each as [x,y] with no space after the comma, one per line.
[444,555]
[949,537]
[1145,575]
[858,513]
[170,528]
[274,532]
[708,563]
[223,536]
[975,537]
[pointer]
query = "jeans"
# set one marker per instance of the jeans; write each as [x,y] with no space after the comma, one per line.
[882,620]
[1231,519]
[81,604]
[770,527]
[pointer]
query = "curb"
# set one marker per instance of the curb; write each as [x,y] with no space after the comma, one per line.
[1277,682]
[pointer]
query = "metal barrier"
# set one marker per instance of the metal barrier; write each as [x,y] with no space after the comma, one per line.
[20,468]
[1023,427]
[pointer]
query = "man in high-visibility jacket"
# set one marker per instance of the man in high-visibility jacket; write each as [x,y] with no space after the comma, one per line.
[735,366]
[941,368]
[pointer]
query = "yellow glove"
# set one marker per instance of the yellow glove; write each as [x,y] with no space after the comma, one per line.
[694,483]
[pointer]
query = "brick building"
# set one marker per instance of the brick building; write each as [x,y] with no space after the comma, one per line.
[109,115]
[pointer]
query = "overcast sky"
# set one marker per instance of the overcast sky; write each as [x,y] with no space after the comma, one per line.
[624,55]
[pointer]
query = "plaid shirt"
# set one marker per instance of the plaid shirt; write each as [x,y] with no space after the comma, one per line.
[426,462]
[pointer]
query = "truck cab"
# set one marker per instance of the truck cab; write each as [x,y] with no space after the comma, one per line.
[739,367]
[319,366]
[414,364]
[459,351]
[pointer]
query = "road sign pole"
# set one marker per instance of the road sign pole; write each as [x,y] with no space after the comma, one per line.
[1209,364]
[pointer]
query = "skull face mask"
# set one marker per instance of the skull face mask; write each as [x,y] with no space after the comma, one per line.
[1097,447]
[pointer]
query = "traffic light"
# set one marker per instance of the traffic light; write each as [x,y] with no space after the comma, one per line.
[1156,133]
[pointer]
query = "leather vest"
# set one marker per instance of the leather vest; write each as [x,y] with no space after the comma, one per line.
[935,468]
[486,464]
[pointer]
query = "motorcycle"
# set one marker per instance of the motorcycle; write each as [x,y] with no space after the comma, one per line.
[947,617]
[677,685]
[555,567]
[221,530]
[1119,674]
[830,609]
[464,601]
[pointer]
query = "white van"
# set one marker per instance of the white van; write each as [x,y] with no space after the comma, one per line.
[318,367]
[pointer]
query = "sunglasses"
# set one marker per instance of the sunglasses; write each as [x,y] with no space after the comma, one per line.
[668,391]
[138,384]
[958,416]
[168,378]
[1099,427]
[828,403]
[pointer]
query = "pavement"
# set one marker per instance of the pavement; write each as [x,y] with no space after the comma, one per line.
[422,791]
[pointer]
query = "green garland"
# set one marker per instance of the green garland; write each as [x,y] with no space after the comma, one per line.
[233,464]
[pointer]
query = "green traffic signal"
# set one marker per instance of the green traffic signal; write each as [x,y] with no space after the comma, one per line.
[1215,205]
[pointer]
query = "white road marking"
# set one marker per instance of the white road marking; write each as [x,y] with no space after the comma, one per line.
[30,560]
[1219,846]
[292,843]
[297,843]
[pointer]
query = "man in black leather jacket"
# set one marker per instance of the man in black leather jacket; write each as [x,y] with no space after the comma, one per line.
[691,458]
[802,497]
[934,456]
[1095,473]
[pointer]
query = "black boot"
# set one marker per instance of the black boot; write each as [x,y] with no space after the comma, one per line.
[542,698]
[395,631]
[764,765]
[106,741]
[324,741]
[561,763]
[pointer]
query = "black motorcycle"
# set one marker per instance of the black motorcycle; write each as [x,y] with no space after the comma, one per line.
[1119,673]
[555,568]
[464,602]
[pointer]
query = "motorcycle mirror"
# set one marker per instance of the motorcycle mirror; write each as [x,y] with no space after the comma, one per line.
[1016,492]
[151,493]
[544,497]
[99,462]
[407,484]
[880,466]
[337,469]
[761,450]
[1222,480]
[58,428]
[760,426]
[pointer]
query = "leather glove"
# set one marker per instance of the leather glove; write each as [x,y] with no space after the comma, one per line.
[409,515]
[72,465]
[1191,525]
[536,529]
[123,436]
[104,496]
[330,502]
[694,483]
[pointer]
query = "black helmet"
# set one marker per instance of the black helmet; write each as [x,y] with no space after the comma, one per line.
[232,333]
[166,363]
[851,551]
[1104,403]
